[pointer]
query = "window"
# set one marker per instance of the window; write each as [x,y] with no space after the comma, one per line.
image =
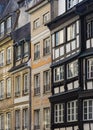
[8,55]
[8,83]
[26,48]
[46,81]
[72,69]
[18,52]
[58,74]
[25,118]
[71,32]
[1,122]
[8,121]
[17,86]
[17,119]
[72,111]
[1,90]
[26,87]
[37,84]
[37,119]
[90,68]
[46,49]
[66,41]
[46,118]
[59,37]
[36,23]
[71,3]
[2,29]
[9,25]
[88,109]
[46,17]
[58,113]
[36,51]
[1,58]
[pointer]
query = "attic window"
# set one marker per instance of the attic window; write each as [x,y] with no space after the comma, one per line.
[2,29]
[9,24]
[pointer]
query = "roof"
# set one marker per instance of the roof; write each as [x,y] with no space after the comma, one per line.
[7,7]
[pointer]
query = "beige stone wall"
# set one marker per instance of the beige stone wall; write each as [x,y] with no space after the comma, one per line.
[39,66]
[6,104]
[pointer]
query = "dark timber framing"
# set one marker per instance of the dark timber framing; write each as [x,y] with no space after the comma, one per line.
[83,11]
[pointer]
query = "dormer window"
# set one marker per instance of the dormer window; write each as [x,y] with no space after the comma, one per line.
[9,25]
[18,50]
[71,3]
[25,48]
[2,29]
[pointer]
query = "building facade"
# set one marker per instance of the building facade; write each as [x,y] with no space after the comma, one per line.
[72,88]
[7,15]
[14,66]
[21,70]
[40,65]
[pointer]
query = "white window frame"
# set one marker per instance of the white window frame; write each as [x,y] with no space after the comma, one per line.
[26,48]
[1,121]
[46,17]
[87,108]
[18,52]
[71,3]
[9,56]
[58,113]
[1,89]
[36,23]
[17,85]
[60,73]
[46,118]
[2,58]
[25,118]
[8,121]
[46,81]
[37,51]
[8,83]
[46,46]
[72,68]
[72,111]
[2,29]
[9,24]
[89,68]
[37,84]
[59,37]
[17,119]
[26,83]
[71,32]
[37,119]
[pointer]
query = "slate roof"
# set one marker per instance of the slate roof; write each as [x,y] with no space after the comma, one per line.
[7,6]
